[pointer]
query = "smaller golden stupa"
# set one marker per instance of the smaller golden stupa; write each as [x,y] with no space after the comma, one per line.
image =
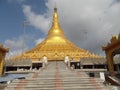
[56,46]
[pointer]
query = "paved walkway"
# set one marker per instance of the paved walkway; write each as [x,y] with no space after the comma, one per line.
[56,77]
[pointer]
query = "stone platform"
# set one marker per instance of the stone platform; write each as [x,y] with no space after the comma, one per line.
[56,76]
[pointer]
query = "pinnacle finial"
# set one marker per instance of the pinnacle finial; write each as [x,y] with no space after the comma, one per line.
[55,29]
[55,8]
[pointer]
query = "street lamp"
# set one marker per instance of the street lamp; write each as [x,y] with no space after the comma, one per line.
[25,23]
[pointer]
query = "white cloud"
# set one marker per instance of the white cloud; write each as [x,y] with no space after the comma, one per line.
[88,23]
[39,40]
[14,53]
[36,20]
[14,43]
[16,46]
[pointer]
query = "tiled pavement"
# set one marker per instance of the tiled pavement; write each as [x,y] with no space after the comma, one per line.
[57,77]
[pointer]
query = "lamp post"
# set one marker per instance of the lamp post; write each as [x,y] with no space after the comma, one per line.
[25,23]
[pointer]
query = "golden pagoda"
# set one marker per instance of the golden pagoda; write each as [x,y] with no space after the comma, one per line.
[56,46]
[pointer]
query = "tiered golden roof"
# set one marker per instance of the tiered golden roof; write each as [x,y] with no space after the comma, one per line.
[56,46]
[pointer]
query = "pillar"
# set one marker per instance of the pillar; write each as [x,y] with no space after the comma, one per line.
[2,58]
[110,64]
[102,76]
[1,63]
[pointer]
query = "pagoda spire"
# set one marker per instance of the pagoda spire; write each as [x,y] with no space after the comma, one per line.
[55,28]
[55,18]
[56,46]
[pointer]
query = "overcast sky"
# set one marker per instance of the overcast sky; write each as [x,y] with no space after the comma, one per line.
[88,23]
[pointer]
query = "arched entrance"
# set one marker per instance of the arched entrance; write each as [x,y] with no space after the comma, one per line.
[111,50]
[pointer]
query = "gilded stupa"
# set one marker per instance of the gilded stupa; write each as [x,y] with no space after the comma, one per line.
[56,46]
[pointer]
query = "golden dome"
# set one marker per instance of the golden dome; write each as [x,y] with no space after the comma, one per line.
[56,46]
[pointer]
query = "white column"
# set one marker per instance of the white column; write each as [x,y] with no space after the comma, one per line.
[102,76]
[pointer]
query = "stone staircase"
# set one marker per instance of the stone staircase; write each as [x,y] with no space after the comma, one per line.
[56,76]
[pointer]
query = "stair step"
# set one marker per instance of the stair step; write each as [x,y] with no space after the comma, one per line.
[56,77]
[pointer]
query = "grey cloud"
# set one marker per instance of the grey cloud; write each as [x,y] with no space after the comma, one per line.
[15,43]
[87,23]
